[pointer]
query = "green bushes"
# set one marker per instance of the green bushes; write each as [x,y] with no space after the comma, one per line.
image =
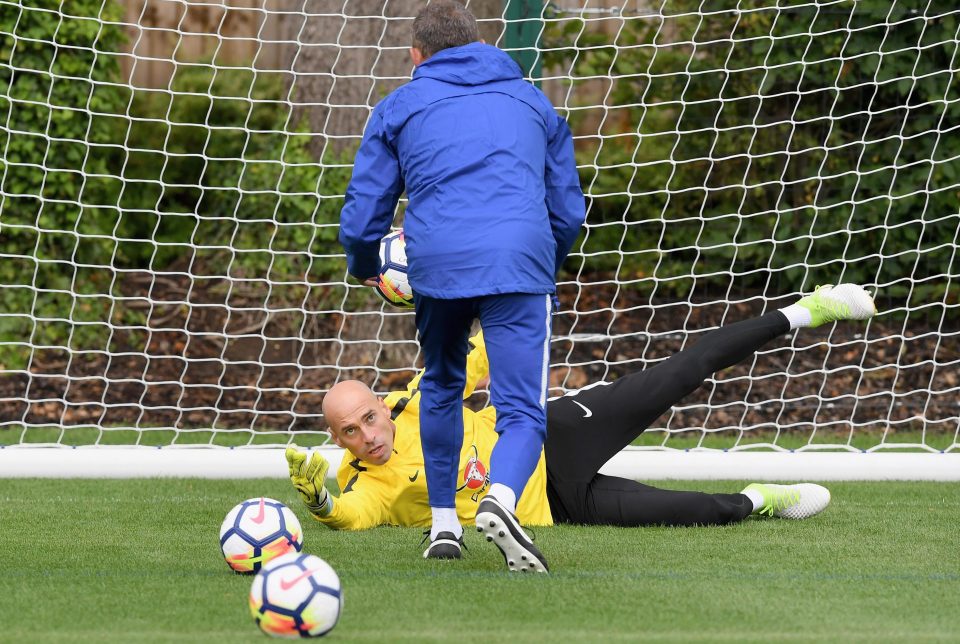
[55,177]
[794,146]
[216,165]
[817,144]
[100,181]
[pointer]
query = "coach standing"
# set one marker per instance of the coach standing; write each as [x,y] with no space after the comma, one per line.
[494,206]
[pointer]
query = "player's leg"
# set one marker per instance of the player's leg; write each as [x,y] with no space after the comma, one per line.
[444,327]
[609,500]
[516,329]
[589,426]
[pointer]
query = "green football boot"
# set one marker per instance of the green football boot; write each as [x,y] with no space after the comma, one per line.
[830,303]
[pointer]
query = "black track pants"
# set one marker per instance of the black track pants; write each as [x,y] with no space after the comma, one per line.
[586,428]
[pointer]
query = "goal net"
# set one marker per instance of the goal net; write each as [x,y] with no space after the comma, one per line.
[172,173]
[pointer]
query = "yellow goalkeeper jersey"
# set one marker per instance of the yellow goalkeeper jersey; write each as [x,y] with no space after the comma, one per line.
[395,493]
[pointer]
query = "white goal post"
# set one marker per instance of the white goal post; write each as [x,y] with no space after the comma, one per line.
[173,300]
[250,463]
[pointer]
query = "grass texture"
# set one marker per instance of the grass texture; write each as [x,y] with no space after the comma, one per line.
[138,560]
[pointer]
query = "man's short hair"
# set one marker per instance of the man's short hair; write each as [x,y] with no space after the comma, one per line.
[443,24]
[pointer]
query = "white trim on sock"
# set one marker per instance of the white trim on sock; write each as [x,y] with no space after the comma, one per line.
[797,315]
[445,520]
[755,497]
[506,496]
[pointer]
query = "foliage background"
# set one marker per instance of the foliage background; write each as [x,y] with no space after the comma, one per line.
[169,254]
[793,144]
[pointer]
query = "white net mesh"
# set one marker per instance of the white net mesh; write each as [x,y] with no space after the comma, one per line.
[172,174]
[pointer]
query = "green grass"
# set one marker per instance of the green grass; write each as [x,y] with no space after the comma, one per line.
[121,561]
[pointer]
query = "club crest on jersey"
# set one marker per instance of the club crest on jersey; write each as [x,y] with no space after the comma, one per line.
[475,477]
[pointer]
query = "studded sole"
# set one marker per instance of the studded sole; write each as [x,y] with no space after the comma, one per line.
[515,555]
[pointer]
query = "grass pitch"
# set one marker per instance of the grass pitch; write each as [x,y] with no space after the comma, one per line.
[121,561]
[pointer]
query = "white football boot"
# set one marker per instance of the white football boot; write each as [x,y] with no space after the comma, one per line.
[798,501]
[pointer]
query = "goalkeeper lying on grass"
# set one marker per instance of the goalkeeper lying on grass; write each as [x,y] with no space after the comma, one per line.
[383,484]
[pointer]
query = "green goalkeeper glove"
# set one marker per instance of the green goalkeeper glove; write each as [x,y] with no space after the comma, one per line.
[308,478]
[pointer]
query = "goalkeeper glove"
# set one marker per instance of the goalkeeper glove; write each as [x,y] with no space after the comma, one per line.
[308,476]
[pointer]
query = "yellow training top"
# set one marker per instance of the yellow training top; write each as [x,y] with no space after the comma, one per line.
[395,493]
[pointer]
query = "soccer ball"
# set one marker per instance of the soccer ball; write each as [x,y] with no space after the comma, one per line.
[258,530]
[392,284]
[296,595]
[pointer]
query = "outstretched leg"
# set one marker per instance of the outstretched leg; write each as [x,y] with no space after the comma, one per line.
[610,500]
[587,427]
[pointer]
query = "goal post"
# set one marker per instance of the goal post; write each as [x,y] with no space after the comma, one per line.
[262,462]
[172,293]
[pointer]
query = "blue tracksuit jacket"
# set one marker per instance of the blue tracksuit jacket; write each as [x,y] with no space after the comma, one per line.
[494,197]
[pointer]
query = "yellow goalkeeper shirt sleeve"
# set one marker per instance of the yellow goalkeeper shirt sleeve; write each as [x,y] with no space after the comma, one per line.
[363,501]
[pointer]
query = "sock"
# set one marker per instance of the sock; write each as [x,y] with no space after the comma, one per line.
[755,497]
[445,520]
[506,496]
[797,316]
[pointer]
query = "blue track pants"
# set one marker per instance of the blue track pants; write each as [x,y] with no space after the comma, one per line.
[516,330]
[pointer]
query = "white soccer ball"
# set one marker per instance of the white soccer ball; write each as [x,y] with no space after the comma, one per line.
[296,595]
[392,283]
[258,530]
